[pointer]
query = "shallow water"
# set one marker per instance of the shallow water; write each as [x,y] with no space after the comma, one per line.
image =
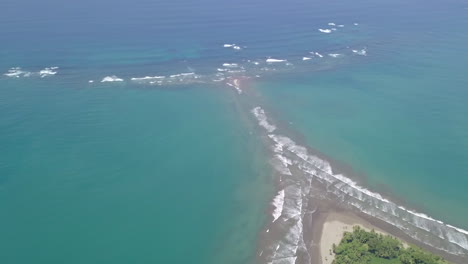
[161,162]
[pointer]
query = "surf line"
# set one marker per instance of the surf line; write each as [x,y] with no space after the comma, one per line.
[291,199]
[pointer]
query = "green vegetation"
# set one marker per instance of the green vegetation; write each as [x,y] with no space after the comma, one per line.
[362,247]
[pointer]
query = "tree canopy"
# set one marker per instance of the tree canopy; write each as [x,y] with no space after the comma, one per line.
[361,247]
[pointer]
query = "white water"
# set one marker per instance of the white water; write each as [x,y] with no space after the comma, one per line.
[290,155]
[335,55]
[112,78]
[278,203]
[48,71]
[362,52]
[259,113]
[327,31]
[271,60]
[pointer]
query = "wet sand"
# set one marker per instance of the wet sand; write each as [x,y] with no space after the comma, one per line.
[333,230]
[324,219]
[331,221]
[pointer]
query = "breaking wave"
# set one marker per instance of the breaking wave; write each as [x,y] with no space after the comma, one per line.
[335,55]
[362,52]
[259,113]
[17,72]
[278,203]
[271,60]
[327,31]
[112,78]
[300,172]
[48,71]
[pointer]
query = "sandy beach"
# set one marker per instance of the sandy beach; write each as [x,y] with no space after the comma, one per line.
[333,229]
[331,223]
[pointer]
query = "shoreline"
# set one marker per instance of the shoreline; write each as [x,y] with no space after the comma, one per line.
[331,221]
[333,228]
[318,212]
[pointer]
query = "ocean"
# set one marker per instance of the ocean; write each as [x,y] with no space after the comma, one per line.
[181,131]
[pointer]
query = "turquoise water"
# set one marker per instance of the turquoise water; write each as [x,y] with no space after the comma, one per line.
[122,175]
[398,120]
[173,169]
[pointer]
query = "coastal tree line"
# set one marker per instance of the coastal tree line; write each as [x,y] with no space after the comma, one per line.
[361,247]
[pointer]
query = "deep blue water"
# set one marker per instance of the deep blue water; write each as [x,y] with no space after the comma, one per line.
[132,171]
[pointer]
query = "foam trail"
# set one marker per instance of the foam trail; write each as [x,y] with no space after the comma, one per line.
[335,55]
[281,164]
[259,113]
[148,78]
[375,205]
[112,78]
[236,84]
[185,74]
[362,52]
[14,72]
[327,31]
[271,60]
[288,154]
[278,203]
[230,65]
[48,71]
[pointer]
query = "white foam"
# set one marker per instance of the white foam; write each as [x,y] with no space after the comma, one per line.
[318,55]
[333,29]
[327,31]
[340,26]
[281,164]
[286,162]
[90,81]
[331,24]
[278,203]
[236,47]
[335,55]
[148,78]
[359,197]
[185,74]
[271,60]
[230,65]
[236,84]
[362,52]
[259,113]
[112,78]
[306,58]
[228,45]
[458,229]
[48,71]
[379,204]
[14,72]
